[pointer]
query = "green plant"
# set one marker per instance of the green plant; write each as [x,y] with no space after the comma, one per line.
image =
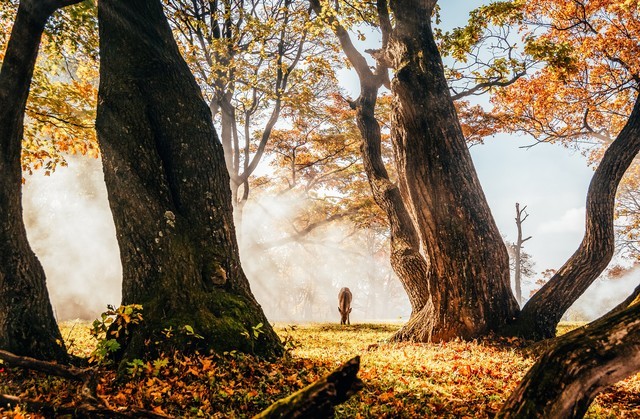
[256,331]
[188,330]
[109,327]
[135,367]
[289,342]
[138,367]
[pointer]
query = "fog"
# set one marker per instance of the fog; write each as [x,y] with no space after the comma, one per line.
[602,296]
[295,279]
[298,280]
[70,229]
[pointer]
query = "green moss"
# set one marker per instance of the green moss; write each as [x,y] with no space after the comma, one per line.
[214,321]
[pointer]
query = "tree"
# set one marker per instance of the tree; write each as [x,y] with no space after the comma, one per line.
[449,210]
[628,215]
[541,314]
[527,264]
[168,189]
[317,160]
[585,83]
[544,278]
[580,364]
[517,250]
[434,208]
[255,60]
[60,110]
[27,324]
[585,93]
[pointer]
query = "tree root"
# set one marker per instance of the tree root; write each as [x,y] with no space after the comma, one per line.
[318,400]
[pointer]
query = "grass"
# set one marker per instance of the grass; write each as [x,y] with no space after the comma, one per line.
[456,379]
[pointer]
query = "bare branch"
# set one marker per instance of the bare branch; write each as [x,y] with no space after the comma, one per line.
[483,87]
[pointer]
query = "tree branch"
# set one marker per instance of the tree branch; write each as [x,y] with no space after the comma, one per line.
[483,87]
[356,59]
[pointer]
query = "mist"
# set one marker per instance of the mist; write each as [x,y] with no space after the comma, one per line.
[70,229]
[602,296]
[295,278]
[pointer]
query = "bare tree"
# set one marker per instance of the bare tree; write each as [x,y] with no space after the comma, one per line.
[521,216]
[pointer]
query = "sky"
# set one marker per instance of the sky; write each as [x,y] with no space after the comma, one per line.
[71,230]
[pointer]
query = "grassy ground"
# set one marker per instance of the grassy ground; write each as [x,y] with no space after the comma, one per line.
[457,379]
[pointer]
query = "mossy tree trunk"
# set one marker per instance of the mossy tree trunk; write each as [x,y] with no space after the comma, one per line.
[169,191]
[27,324]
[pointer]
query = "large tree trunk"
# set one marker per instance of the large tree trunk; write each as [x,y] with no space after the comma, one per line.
[469,263]
[406,260]
[169,191]
[27,324]
[564,382]
[542,313]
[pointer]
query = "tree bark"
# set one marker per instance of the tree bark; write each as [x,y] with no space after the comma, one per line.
[169,192]
[542,313]
[458,284]
[27,323]
[469,264]
[566,379]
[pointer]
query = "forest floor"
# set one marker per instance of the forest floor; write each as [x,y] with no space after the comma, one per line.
[456,379]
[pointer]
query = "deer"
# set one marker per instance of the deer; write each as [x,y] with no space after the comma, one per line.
[344,305]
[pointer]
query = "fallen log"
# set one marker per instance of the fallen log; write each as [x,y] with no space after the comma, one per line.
[84,375]
[59,370]
[318,400]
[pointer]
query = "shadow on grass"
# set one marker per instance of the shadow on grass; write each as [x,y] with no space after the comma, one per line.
[361,327]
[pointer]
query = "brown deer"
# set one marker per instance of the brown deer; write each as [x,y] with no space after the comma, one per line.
[344,305]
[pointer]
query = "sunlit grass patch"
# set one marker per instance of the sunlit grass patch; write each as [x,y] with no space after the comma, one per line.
[77,338]
[416,380]
[566,327]
[454,379]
